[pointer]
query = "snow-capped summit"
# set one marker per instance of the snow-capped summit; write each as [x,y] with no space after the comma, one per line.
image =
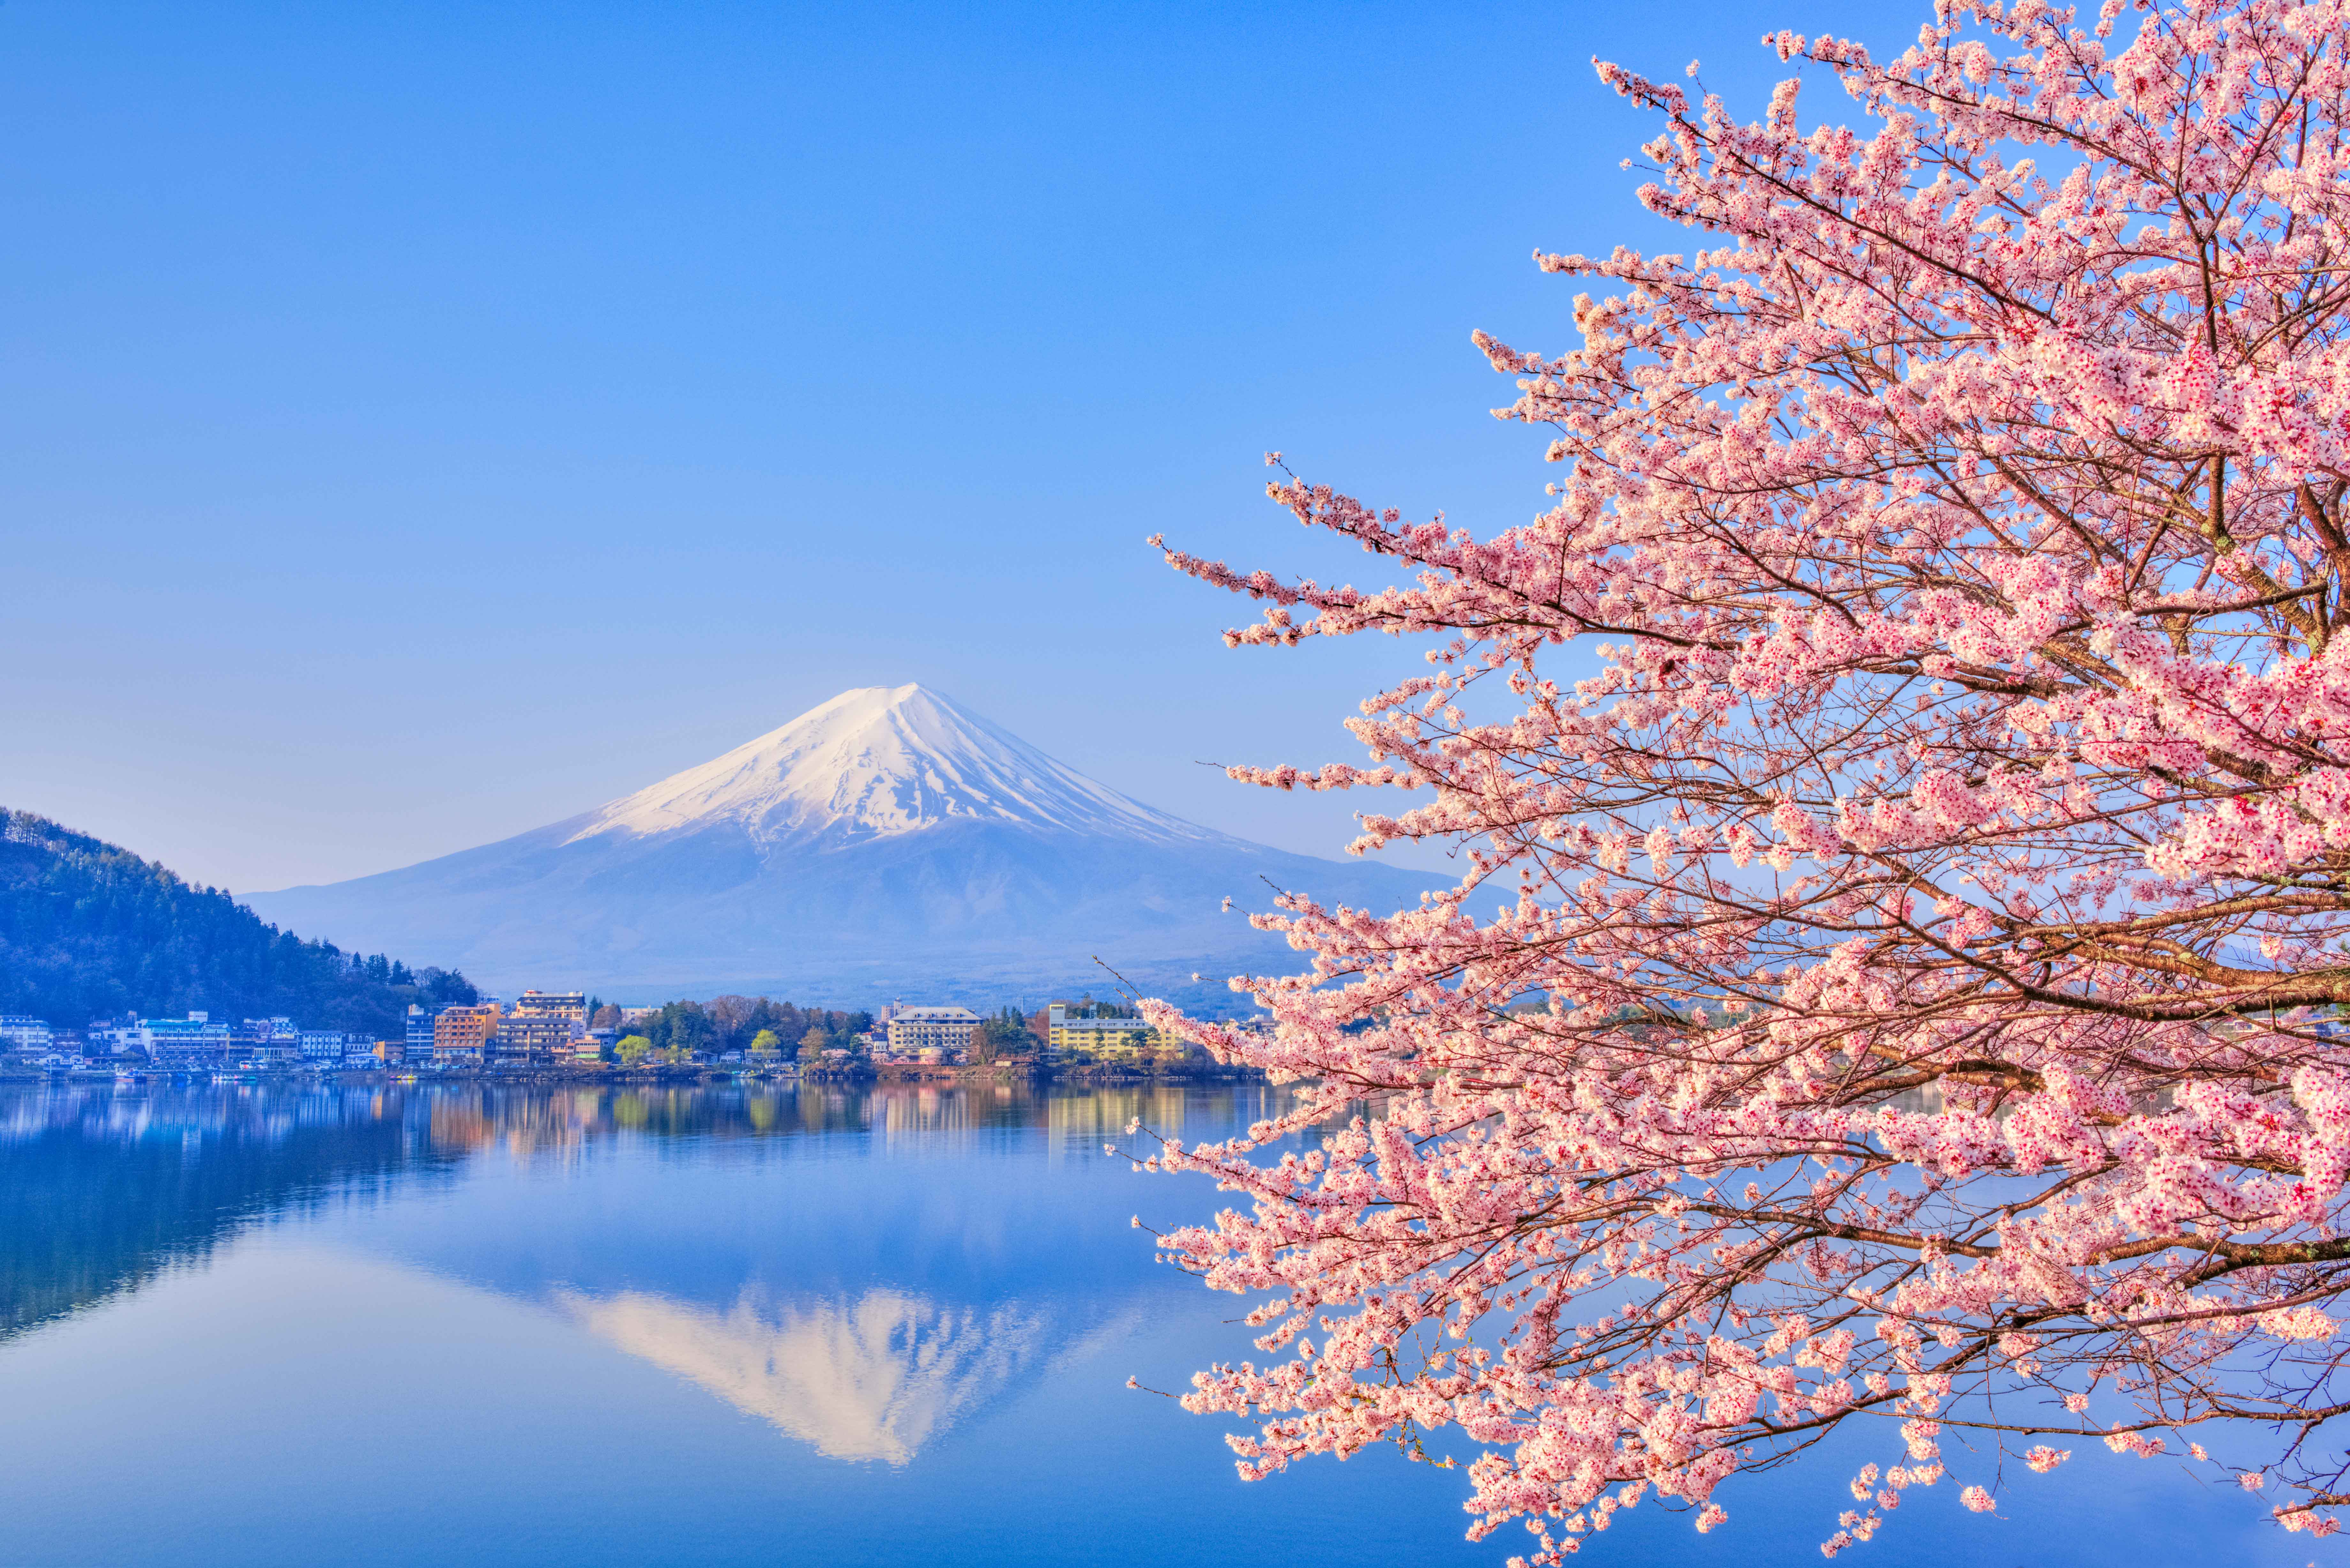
[884,844]
[879,761]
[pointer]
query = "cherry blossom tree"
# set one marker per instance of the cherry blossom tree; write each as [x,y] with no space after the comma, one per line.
[1902,781]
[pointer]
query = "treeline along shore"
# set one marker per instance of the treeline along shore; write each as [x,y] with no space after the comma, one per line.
[110,965]
[570,1035]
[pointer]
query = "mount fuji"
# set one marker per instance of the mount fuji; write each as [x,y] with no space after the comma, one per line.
[889,841]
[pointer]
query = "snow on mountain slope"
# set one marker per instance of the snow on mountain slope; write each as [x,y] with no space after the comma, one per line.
[887,843]
[879,761]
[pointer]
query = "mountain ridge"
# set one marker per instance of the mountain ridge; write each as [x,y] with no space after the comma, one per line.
[887,840]
[875,761]
[90,930]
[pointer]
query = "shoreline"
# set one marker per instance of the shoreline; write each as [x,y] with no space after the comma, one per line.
[1086,1074]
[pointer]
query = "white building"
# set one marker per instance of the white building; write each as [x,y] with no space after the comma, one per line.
[571,1004]
[24,1033]
[914,1030]
[322,1044]
[194,1035]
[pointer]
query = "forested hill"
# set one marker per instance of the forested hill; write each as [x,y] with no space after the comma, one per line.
[89,931]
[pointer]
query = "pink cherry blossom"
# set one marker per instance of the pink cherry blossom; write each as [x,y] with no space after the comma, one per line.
[1902,785]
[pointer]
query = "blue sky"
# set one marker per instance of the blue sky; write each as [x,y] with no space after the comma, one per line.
[420,423]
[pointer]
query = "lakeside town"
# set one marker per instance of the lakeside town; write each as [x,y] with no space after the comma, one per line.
[540,1033]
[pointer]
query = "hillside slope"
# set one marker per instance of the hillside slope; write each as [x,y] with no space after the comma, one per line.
[88,930]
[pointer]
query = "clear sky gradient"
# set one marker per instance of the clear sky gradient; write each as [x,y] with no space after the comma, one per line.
[425,422]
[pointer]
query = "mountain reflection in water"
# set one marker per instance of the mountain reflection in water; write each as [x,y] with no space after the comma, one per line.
[878,1307]
[869,1378]
[281,1323]
[100,1188]
[739,1326]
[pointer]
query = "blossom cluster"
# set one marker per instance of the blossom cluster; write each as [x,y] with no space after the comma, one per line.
[1903,783]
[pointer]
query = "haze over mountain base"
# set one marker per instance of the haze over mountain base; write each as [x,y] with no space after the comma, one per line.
[887,843]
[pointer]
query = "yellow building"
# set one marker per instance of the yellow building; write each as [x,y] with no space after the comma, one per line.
[1106,1039]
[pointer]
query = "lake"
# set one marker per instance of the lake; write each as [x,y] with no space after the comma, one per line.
[270,1324]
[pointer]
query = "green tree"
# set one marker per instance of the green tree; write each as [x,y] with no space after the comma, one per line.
[1005,1034]
[632,1049]
[90,930]
[766,1044]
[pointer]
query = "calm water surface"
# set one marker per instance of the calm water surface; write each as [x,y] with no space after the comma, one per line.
[269,1325]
